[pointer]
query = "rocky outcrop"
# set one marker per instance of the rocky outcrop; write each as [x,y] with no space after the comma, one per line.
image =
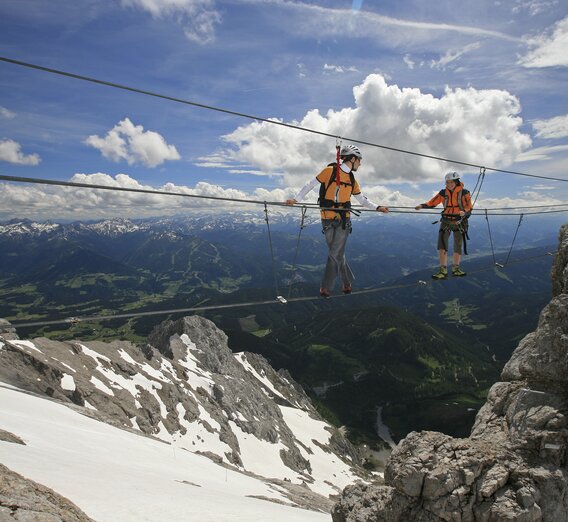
[6,436]
[560,266]
[514,465]
[23,499]
[7,331]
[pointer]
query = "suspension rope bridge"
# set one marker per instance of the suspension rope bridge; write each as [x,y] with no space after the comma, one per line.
[501,211]
[378,289]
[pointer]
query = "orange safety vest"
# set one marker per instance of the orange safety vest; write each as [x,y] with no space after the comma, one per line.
[454,201]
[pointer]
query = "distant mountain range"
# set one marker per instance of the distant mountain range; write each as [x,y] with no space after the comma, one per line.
[346,352]
[232,251]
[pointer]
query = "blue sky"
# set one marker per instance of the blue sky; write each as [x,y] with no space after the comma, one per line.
[482,82]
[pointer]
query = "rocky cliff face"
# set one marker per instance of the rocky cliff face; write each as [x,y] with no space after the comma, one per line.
[187,388]
[514,466]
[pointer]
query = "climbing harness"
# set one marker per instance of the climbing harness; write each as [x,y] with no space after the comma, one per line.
[460,226]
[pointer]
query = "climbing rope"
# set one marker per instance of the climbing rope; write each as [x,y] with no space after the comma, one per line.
[514,237]
[337,166]
[278,296]
[303,217]
[479,182]
[490,238]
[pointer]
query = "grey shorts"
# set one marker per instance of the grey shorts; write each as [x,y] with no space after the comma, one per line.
[444,238]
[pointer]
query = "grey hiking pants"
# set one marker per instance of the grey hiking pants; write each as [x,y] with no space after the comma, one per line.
[336,238]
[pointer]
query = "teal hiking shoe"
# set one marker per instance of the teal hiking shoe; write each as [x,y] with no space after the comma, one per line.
[441,274]
[457,271]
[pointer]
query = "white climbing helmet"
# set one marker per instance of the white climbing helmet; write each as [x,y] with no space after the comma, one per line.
[350,150]
[452,176]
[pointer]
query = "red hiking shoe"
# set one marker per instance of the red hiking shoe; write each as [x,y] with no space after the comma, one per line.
[324,292]
[347,289]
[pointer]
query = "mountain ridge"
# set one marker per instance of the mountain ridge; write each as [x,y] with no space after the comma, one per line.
[187,388]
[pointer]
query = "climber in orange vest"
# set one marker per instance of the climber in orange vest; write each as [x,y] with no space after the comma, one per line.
[337,185]
[457,208]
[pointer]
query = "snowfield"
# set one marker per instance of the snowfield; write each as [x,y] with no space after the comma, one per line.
[114,475]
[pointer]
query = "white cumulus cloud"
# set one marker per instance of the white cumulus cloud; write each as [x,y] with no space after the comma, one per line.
[549,48]
[470,125]
[198,18]
[126,141]
[10,151]
[556,127]
[54,202]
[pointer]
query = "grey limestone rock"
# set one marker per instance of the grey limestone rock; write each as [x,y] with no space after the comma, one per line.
[560,265]
[26,501]
[6,436]
[514,465]
[7,331]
